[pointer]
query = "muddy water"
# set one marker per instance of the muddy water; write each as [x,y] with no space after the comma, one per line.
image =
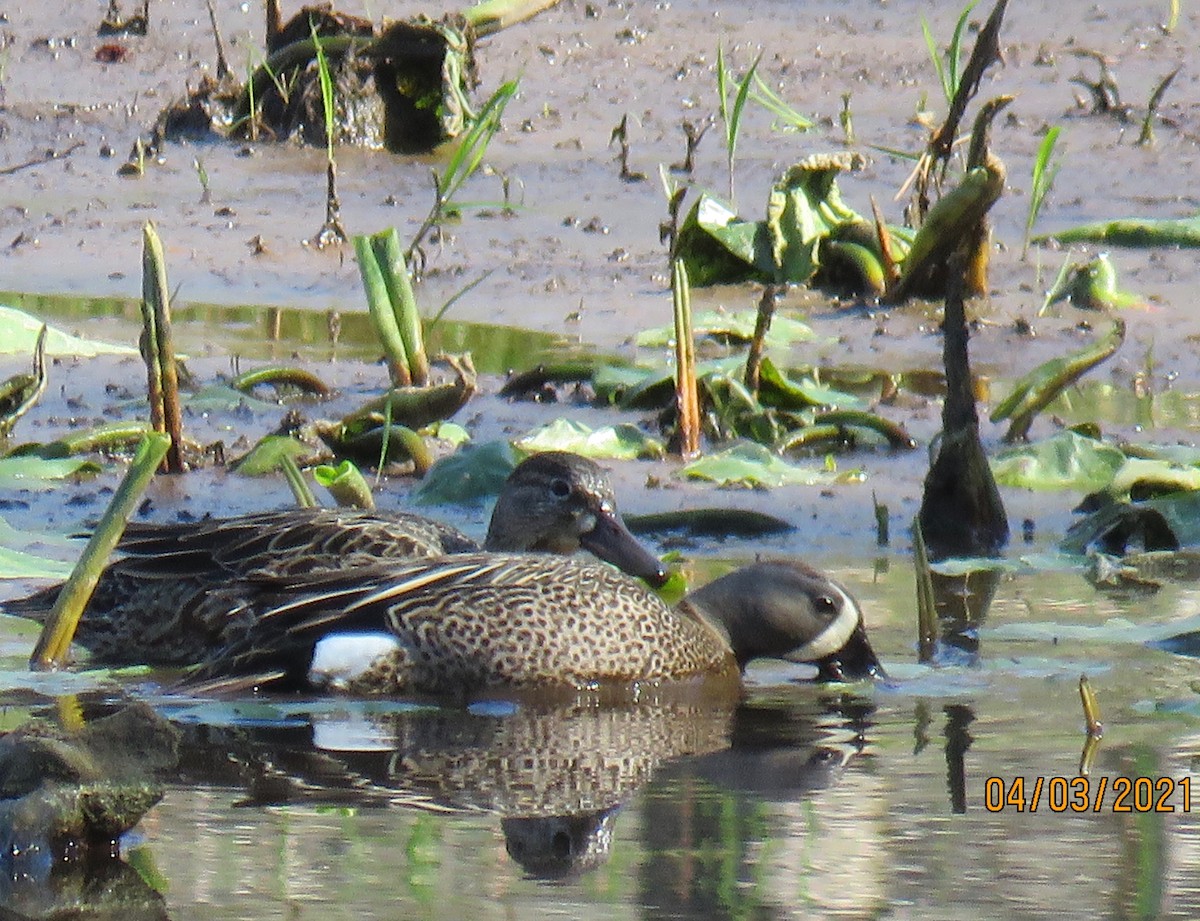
[804,801]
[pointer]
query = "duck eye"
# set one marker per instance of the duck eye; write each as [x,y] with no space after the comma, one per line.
[560,488]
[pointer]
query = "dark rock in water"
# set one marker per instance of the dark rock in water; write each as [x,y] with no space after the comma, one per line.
[68,796]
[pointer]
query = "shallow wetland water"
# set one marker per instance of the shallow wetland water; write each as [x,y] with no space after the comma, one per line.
[802,801]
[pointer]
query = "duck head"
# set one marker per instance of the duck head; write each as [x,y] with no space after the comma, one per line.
[557,502]
[787,610]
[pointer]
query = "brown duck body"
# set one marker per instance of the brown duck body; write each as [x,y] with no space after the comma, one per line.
[147,605]
[459,625]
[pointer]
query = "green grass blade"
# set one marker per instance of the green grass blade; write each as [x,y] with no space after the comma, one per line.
[470,151]
[935,55]
[954,62]
[51,648]
[1044,173]
[787,118]
[326,91]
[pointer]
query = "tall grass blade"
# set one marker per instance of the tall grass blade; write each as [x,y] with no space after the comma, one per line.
[733,129]
[786,118]
[55,640]
[1044,173]
[327,102]
[935,55]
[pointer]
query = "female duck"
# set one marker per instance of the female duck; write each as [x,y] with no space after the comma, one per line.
[553,502]
[462,624]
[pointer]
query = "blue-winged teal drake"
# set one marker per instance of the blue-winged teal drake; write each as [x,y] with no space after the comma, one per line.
[554,502]
[463,624]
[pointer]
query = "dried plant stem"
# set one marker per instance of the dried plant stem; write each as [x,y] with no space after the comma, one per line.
[762,326]
[687,398]
[158,349]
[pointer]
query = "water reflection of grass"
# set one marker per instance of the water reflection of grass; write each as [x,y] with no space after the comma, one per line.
[259,331]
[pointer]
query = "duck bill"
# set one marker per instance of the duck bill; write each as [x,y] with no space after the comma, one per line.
[611,541]
[853,662]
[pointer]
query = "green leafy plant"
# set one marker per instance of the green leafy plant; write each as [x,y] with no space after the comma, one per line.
[463,163]
[949,68]
[1045,168]
[731,116]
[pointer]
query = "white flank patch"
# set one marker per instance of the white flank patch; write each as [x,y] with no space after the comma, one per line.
[341,657]
[833,637]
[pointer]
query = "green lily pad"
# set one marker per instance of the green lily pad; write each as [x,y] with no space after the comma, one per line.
[719,247]
[777,389]
[1066,460]
[267,456]
[1141,478]
[737,326]
[19,332]
[21,471]
[474,472]
[748,464]
[613,442]
[17,564]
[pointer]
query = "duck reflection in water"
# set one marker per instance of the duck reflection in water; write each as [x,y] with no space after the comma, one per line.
[555,776]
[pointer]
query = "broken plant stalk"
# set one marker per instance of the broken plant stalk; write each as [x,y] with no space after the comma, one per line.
[158,349]
[346,484]
[1095,729]
[51,649]
[961,512]
[762,326]
[21,391]
[687,398]
[926,605]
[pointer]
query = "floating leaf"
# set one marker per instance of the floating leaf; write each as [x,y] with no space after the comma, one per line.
[450,432]
[612,382]
[1066,460]
[748,464]
[18,471]
[614,442]
[16,564]
[777,389]
[804,208]
[19,333]
[475,472]
[719,247]
[735,327]
[267,456]
[1142,478]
